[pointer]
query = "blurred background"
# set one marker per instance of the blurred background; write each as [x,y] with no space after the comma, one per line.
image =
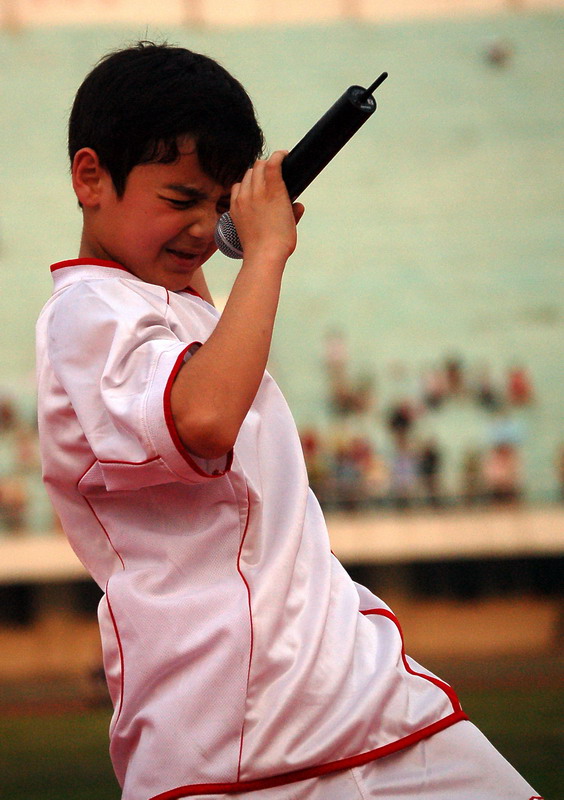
[419,344]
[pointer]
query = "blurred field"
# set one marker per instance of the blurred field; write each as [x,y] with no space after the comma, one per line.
[61,753]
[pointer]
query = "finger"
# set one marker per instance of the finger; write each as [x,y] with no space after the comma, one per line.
[243,187]
[274,163]
[247,177]
[252,179]
[235,189]
[298,210]
[278,156]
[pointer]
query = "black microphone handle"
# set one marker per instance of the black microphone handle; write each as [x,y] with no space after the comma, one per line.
[329,135]
[312,153]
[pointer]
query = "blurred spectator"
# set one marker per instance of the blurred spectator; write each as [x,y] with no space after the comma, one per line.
[429,464]
[19,466]
[336,362]
[347,484]
[433,387]
[336,353]
[485,392]
[364,395]
[400,421]
[8,415]
[13,495]
[348,398]
[376,478]
[505,428]
[342,400]
[403,475]
[454,373]
[371,469]
[345,395]
[502,474]
[472,477]
[26,449]
[499,52]
[519,387]
[316,462]
[13,503]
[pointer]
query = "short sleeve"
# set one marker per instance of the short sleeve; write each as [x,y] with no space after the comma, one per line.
[116,357]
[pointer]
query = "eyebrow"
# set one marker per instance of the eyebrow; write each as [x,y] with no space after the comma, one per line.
[191,192]
[187,191]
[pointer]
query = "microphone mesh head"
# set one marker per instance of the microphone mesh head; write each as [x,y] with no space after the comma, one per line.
[226,237]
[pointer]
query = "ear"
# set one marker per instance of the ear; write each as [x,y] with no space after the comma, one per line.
[89,178]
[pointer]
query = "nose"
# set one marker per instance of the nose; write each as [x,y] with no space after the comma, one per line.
[203,224]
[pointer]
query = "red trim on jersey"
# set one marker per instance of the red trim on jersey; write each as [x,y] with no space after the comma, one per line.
[312,772]
[129,463]
[189,290]
[172,427]
[250,622]
[334,766]
[98,520]
[121,659]
[114,623]
[105,531]
[98,262]
[448,690]
[87,262]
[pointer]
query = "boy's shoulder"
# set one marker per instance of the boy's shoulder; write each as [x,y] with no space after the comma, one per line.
[83,296]
[111,285]
[88,298]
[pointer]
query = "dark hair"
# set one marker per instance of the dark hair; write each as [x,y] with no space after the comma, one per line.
[137,103]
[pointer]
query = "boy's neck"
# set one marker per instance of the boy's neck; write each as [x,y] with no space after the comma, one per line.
[88,249]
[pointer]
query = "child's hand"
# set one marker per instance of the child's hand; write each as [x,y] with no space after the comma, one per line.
[263,214]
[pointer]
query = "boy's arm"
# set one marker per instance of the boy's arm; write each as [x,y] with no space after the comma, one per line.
[216,387]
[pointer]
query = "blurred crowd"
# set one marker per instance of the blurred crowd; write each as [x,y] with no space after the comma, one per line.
[351,474]
[380,447]
[23,503]
[377,446]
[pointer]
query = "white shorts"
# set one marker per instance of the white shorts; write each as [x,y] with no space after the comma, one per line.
[458,762]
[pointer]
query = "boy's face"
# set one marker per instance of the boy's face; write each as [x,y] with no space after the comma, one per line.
[162,227]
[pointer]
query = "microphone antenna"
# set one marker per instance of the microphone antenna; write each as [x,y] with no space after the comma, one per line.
[372,88]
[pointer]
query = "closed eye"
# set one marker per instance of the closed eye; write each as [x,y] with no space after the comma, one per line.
[180,204]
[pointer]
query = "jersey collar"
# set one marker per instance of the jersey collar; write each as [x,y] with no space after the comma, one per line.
[79,269]
[87,262]
[74,269]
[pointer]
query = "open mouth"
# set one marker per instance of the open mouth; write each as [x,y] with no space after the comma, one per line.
[183,255]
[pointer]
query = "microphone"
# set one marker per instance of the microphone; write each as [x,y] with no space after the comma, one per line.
[312,153]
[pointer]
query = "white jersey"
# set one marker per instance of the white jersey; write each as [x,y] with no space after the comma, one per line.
[238,652]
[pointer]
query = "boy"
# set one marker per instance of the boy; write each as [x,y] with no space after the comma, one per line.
[240,657]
